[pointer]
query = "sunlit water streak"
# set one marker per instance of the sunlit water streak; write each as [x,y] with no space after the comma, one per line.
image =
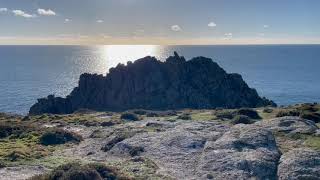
[286,74]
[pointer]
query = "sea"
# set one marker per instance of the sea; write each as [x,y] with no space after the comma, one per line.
[286,74]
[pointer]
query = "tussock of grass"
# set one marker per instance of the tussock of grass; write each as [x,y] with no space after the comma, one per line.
[185,116]
[73,171]
[202,116]
[59,136]
[241,119]
[230,114]
[313,142]
[22,149]
[283,113]
[306,140]
[129,117]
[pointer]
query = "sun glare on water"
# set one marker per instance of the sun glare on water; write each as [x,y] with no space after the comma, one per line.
[115,54]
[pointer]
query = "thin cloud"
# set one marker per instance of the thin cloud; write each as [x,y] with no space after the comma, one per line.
[44,12]
[23,14]
[3,9]
[105,36]
[227,36]
[99,21]
[212,24]
[176,28]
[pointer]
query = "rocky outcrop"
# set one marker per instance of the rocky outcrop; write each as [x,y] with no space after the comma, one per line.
[244,152]
[160,147]
[152,84]
[300,164]
[290,125]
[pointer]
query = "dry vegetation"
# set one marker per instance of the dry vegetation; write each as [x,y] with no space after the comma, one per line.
[33,140]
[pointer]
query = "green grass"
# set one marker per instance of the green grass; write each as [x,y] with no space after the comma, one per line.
[202,116]
[20,150]
[287,142]
[313,142]
[138,168]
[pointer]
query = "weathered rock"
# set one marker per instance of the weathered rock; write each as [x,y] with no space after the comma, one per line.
[300,164]
[290,124]
[177,150]
[21,172]
[244,152]
[151,84]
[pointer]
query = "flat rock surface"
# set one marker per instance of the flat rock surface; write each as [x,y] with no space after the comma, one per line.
[290,124]
[244,152]
[300,164]
[20,172]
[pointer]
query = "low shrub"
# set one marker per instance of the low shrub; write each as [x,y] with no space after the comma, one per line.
[76,171]
[113,142]
[185,116]
[107,123]
[135,150]
[129,117]
[139,112]
[307,107]
[267,110]
[251,113]
[224,114]
[241,119]
[96,134]
[283,113]
[152,114]
[161,113]
[59,136]
[16,155]
[170,113]
[2,164]
[89,123]
[26,118]
[8,129]
[311,116]
[84,111]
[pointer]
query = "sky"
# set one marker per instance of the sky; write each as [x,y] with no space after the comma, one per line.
[90,22]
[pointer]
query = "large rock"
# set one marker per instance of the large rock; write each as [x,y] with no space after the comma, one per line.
[175,151]
[152,84]
[290,125]
[244,152]
[300,164]
[199,150]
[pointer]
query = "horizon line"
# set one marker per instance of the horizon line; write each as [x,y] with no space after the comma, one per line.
[235,44]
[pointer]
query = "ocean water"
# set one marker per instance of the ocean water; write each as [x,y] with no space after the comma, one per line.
[287,74]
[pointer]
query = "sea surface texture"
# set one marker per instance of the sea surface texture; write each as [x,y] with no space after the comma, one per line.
[287,74]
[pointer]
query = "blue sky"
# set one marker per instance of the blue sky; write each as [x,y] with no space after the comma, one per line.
[159,21]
